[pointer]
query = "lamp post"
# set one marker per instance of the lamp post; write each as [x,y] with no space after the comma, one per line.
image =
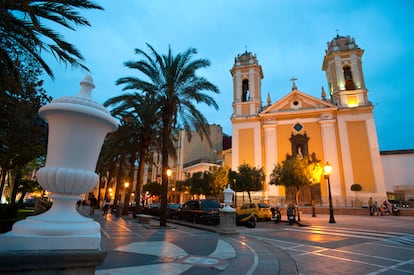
[328,169]
[235,194]
[312,200]
[169,172]
[126,201]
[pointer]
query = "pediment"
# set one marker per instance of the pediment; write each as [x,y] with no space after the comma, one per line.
[296,101]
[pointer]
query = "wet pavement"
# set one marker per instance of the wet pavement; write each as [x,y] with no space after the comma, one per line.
[353,245]
[136,248]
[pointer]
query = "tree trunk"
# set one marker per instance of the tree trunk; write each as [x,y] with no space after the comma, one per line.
[118,183]
[22,196]
[3,181]
[297,203]
[164,187]
[166,133]
[99,190]
[140,176]
[16,183]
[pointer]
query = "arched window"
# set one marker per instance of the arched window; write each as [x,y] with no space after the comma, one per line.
[245,89]
[349,81]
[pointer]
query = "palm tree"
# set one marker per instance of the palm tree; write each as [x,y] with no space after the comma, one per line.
[106,166]
[142,114]
[115,156]
[173,82]
[24,25]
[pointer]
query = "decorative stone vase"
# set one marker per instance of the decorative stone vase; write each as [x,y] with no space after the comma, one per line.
[228,214]
[228,199]
[77,129]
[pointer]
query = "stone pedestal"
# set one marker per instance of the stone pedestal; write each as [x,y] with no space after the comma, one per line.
[51,261]
[228,223]
[228,214]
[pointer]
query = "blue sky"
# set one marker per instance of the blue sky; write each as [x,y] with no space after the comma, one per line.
[288,36]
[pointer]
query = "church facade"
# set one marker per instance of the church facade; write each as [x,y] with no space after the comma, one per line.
[339,127]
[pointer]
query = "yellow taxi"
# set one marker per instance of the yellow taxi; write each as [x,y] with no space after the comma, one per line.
[261,211]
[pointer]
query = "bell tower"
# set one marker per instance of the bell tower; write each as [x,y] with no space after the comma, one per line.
[343,66]
[247,75]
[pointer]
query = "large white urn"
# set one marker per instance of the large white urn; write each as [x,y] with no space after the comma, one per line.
[77,129]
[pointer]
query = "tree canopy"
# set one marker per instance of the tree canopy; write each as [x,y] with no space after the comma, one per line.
[178,90]
[25,35]
[25,26]
[153,188]
[141,114]
[218,181]
[247,179]
[296,172]
[23,135]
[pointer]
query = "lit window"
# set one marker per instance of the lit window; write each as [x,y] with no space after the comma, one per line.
[352,101]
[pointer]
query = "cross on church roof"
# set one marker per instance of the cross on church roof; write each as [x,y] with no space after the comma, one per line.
[337,33]
[294,87]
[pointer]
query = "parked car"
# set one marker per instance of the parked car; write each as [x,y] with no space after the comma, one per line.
[172,210]
[152,209]
[261,211]
[200,211]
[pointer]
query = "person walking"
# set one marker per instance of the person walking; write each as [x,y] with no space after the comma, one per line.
[375,209]
[93,204]
[105,207]
[371,206]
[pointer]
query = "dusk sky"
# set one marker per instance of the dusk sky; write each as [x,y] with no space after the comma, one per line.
[288,36]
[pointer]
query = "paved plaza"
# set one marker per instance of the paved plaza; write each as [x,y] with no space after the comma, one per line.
[353,245]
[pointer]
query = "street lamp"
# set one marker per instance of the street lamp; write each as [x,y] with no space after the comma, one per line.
[110,193]
[328,169]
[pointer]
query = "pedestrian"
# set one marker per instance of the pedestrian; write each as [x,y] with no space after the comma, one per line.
[78,203]
[375,209]
[381,210]
[93,204]
[388,207]
[105,207]
[371,206]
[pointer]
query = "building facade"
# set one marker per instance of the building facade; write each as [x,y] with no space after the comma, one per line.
[339,127]
[399,175]
[192,155]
